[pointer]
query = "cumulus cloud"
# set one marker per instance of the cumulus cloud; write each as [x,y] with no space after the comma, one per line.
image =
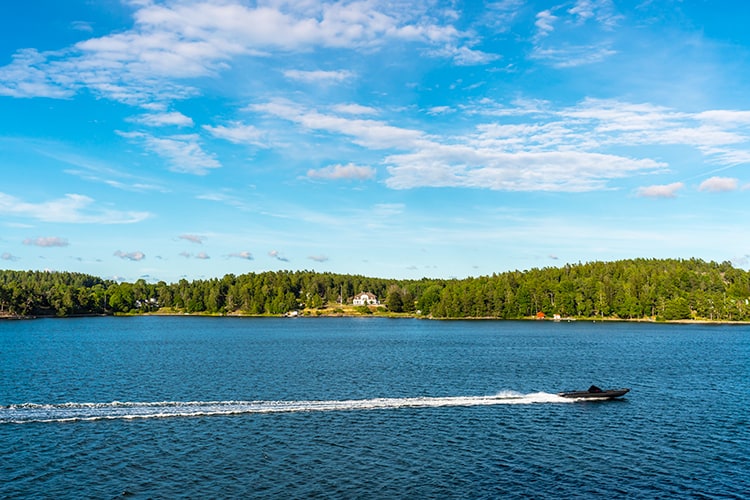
[134,256]
[242,255]
[661,191]
[336,172]
[192,238]
[277,255]
[718,184]
[49,241]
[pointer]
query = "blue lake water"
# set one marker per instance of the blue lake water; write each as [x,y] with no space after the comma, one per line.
[168,407]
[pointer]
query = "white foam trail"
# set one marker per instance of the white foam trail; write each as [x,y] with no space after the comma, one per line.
[71,412]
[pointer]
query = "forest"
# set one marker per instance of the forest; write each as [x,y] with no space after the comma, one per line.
[656,289]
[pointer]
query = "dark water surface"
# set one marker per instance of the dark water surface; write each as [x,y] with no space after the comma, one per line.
[169,407]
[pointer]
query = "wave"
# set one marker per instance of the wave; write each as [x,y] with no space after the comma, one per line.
[73,412]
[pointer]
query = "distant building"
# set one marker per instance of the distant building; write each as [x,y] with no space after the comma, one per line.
[365,299]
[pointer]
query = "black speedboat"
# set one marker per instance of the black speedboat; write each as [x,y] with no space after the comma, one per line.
[594,393]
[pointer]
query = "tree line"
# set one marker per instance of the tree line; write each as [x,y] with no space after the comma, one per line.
[668,289]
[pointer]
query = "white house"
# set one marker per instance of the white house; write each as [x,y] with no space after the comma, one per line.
[365,299]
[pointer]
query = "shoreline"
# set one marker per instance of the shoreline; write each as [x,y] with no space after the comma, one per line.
[354,314]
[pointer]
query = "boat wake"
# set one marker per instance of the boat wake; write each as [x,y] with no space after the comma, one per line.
[73,412]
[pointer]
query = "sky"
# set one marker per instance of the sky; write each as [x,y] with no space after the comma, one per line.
[171,139]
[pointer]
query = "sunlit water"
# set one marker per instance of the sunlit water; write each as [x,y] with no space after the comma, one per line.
[152,407]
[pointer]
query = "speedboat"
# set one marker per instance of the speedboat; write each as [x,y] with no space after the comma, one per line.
[594,393]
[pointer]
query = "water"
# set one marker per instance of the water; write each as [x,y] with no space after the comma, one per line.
[170,407]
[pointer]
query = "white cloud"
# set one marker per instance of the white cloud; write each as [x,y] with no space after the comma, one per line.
[661,191]
[192,238]
[368,133]
[461,166]
[354,109]
[335,172]
[439,110]
[464,56]
[277,255]
[82,26]
[183,152]
[725,116]
[553,156]
[318,258]
[718,184]
[173,118]
[73,208]
[49,241]
[172,42]
[134,256]
[319,76]
[577,36]
[545,23]
[242,255]
[238,133]
[572,56]
[8,256]
[565,149]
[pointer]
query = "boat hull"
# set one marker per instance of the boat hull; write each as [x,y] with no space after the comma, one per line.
[609,394]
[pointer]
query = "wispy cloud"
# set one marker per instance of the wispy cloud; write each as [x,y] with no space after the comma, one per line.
[318,258]
[184,153]
[134,256]
[192,238]
[319,76]
[238,133]
[337,172]
[173,118]
[8,256]
[277,255]
[464,55]
[354,109]
[48,241]
[82,26]
[242,255]
[588,22]
[368,133]
[199,255]
[73,208]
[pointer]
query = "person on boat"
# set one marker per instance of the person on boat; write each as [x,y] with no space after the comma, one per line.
[594,388]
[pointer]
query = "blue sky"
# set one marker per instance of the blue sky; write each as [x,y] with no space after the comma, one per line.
[194,138]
